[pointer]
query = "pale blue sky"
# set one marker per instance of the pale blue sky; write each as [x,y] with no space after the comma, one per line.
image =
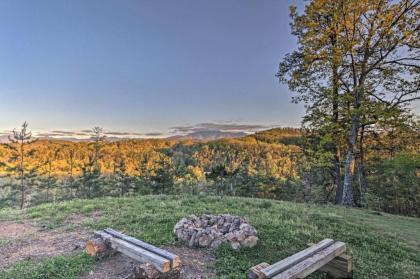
[144,66]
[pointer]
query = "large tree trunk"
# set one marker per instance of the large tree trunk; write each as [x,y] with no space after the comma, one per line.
[22,176]
[337,178]
[336,149]
[22,192]
[361,165]
[349,164]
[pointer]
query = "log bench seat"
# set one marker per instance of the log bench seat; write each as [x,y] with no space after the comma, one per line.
[326,256]
[108,239]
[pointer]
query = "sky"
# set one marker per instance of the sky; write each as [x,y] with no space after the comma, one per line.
[144,67]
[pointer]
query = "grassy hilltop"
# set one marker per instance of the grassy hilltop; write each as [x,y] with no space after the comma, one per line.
[382,245]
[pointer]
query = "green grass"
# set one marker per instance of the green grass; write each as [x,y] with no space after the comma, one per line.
[382,245]
[57,267]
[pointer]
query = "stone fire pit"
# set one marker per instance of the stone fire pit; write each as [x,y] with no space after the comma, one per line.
[213,230]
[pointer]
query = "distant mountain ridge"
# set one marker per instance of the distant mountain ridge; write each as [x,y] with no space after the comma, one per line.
[209,135]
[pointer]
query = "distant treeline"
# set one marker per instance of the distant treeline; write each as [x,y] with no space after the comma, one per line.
[269,164]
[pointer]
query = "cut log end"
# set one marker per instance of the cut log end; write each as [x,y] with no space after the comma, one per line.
[148,271]
[166,267]
[176,262]
[96,247]
[255,271]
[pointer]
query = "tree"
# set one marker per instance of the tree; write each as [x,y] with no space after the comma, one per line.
[20,148]
[121,176]
[220,175]
[354,54]
[313,71]
[382,63]
[98,138]
[91,168]
[49,181]
[163,179]
[71,164]
[398,184]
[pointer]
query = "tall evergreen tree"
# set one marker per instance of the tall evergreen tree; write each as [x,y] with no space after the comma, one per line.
[18,166]
[91,168]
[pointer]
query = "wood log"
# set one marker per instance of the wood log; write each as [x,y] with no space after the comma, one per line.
[147,271]
[285,264]
[339,267]
[137,253]
[313,263]
[255,271]
[174,259]
[97,247]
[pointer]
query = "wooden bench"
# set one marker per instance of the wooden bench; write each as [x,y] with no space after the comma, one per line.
[326,256]
[145,253]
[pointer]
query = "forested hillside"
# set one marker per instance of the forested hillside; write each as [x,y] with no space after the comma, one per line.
[281,163]
[62,169]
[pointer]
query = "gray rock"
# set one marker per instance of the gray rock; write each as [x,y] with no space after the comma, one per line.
[205,240]
[204,223]
[235,245]
[240,236]
[224,229]
[217,242]
[220,222]
[192,240]
[250,241]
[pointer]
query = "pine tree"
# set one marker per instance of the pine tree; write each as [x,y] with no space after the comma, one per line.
[18,166]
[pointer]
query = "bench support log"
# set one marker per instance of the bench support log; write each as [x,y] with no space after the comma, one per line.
[147,271]
[339,267]
[289,262]
[326,256]
[97,247]
[255,271]
[104,241]
[174,259]
[313,263]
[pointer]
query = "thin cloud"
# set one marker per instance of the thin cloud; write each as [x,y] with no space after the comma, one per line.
[220,127]
[70,133]
[87,133]
[118,133]
[60,134]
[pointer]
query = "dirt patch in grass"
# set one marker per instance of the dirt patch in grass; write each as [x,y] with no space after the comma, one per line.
[78,219]
[196,264]
[26,240]
[115,267]
[12,230]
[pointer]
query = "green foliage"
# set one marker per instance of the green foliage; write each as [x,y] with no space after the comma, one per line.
[397,183]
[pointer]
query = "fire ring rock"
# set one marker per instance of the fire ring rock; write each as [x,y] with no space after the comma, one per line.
[213,230]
